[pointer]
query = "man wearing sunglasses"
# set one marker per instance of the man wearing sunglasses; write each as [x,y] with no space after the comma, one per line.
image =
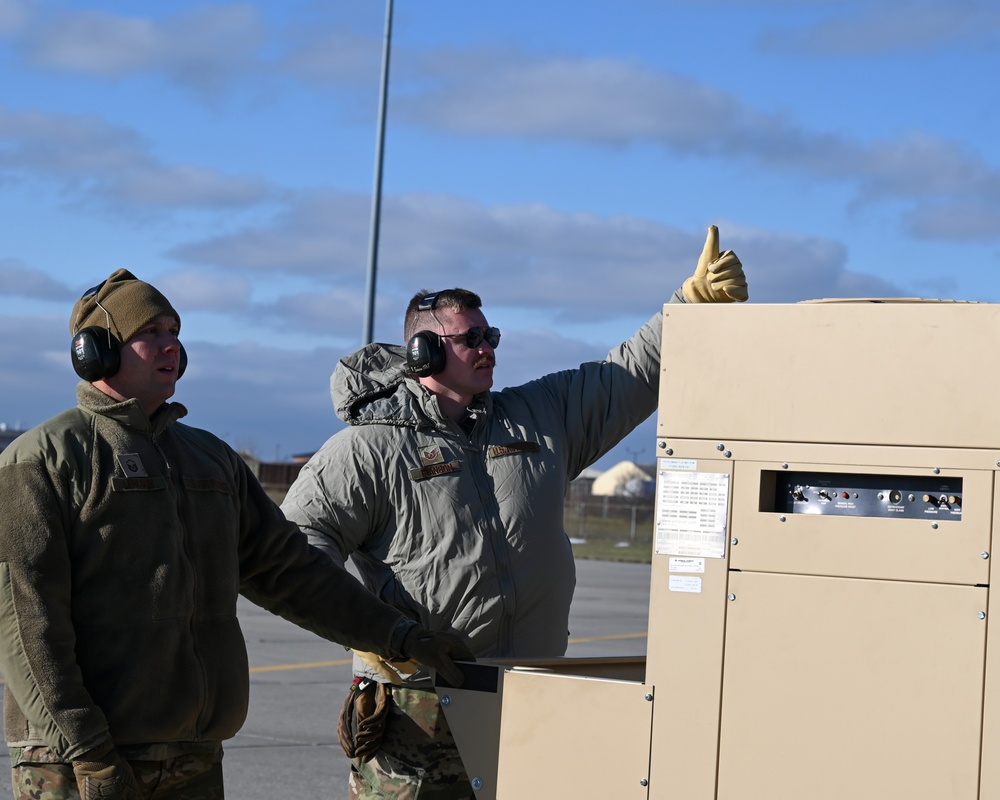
[125,538]
[448,497]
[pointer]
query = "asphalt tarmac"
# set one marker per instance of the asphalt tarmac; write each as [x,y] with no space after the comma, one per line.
[288,746]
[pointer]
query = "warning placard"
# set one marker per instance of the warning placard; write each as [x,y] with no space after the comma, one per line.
[692,509]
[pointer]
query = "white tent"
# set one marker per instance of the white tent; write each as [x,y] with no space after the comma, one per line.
[623,479]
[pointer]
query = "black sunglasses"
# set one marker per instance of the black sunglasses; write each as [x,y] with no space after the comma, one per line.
[475,335]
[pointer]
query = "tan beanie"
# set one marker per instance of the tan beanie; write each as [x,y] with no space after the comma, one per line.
[130,304]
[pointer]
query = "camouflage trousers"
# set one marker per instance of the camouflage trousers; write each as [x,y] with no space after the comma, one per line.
[197,776]
[418,759]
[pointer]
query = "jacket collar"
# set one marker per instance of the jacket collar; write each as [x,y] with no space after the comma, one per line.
[128,412]
[373,386]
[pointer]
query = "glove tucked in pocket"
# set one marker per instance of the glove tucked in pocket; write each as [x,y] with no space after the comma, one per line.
[363,718]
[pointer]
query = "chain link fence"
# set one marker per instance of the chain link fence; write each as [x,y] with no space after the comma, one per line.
[618,519]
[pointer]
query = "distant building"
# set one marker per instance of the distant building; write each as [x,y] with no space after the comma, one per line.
[276,477]
[625,479]
[7,435]
[579,488]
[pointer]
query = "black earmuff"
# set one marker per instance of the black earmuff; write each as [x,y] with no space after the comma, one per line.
[425,354]
[96,354]
[425,351]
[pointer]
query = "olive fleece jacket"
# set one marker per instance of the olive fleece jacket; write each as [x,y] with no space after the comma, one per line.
[124,543]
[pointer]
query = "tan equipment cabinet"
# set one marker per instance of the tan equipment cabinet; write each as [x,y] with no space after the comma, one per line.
[819,620]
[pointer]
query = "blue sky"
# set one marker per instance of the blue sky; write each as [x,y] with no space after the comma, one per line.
[563,159]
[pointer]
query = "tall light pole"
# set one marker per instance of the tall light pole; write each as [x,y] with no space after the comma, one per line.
[369,323]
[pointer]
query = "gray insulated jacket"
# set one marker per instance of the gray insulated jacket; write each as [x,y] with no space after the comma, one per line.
[464,530]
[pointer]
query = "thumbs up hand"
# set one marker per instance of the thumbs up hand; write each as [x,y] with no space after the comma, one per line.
[717,278]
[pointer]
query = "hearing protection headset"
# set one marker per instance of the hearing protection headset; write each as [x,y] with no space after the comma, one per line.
[425,352]
[96,354]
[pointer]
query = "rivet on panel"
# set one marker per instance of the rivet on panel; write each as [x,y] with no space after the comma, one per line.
[782,518]
[446,700]
[649,696]
[984,555]
[784,465]
[644,782]
[477,783]
[720,447]
[734,541]
[728,453]
[732,596]
[981,615]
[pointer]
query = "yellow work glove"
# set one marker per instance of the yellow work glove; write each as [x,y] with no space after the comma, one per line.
[101,775]
[390,670]
[717,279]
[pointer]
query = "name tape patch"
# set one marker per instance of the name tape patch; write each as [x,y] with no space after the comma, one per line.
[498,450]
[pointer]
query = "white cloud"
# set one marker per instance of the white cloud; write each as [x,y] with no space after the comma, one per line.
[45,388]
[890,26]
[90,158]
[197,290]
[17,280]
[67,146]
[205,49]
[496,92]
[614,103]
[187,186]
[334,312]
[517,256]
[486,92]
[965,221]
[321,233]
[94,42]
[338,56]
[14,15]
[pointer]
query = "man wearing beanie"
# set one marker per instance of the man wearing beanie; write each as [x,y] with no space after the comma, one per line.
[125,538]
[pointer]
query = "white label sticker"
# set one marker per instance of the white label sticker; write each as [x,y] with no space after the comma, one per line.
[687,564]
[679,463]
[685,583]
[692,509]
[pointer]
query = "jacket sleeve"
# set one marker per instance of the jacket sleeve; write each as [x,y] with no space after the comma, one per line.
[281,571]
[338,499]
[601,402]
[37,636]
